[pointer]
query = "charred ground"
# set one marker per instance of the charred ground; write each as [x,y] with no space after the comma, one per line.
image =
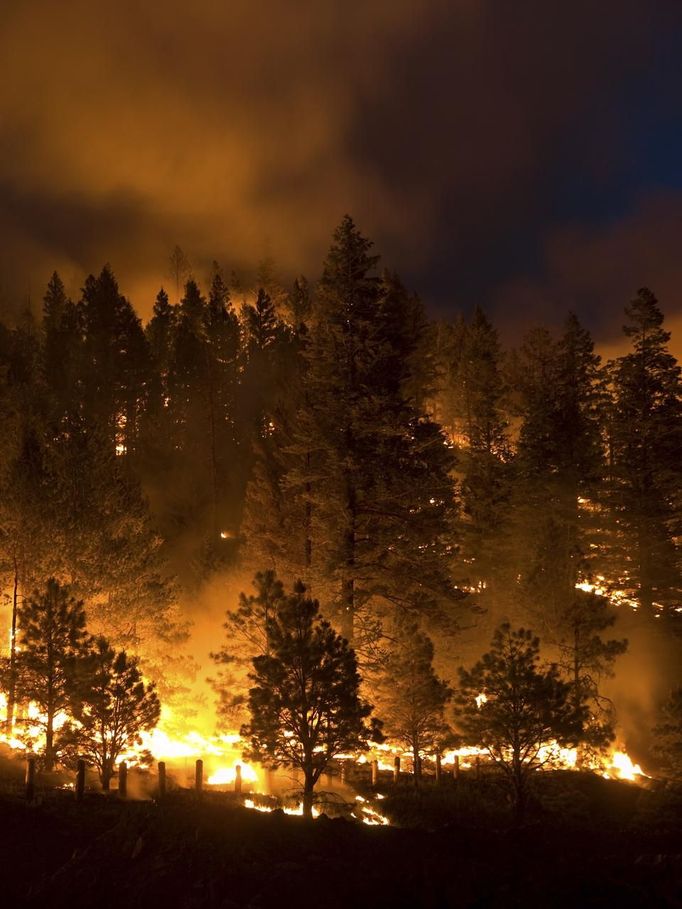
[589,842]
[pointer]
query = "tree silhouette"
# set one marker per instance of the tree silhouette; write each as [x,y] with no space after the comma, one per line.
[411,698]
[112,707]
[512,706]
[305,703]
[586,658]
[51,657]
[668,732]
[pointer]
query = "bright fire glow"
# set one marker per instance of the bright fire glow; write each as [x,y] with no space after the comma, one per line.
[298,811]
[225,776]
[601,589]
[557,756]
[622,768]
[223,754]
[468,751]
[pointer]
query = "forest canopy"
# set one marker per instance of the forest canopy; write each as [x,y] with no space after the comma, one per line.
[411,473]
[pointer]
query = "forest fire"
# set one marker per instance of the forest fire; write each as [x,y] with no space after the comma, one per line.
[223,755]
[339,570]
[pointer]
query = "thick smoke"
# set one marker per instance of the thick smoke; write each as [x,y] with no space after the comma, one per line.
[498,153]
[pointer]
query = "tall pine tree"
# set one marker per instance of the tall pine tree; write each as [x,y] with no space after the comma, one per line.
[645,442]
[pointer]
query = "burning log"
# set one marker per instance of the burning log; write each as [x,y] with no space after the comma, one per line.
[199,776]
[30,778]
[123,780]
[162,779]
[80,780]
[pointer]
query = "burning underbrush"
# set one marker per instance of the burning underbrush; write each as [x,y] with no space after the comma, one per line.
[348,789]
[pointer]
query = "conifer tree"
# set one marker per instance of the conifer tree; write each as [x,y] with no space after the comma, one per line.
[382,471]
[111,707]
[245,638]
[223,352]
[189,500]
[160,332]
[277,504]
[156,450]
[299,302]
[586,658]
[115,363]
[449,349]
[25,536]
[267,279]
[512,705]
[201,416]
[62,350]
[180,269]
[559,467]
[411,699]
[266,339]
[668,733]
[53,645]
[645,442]
[305,704]
[274,524]
[476,406]
[111,554]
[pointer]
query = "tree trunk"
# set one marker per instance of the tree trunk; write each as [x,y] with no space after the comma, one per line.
[12,681]
[519,784]
[308,787]
[213,448]
[308,521]
[105,775]
[519,803]
[577,699]
[49,741]
[346,621]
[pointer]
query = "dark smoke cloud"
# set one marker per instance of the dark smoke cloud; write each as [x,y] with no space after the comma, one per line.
[487,146]
[597,269]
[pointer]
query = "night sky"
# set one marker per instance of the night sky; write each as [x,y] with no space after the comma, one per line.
[521,154]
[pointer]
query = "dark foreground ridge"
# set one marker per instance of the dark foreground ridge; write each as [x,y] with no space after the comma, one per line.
[215,854]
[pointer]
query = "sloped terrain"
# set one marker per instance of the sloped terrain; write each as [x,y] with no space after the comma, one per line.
[214,854]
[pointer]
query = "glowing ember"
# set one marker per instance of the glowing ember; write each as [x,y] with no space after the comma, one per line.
[601,588]
[298,811]
[370,815]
